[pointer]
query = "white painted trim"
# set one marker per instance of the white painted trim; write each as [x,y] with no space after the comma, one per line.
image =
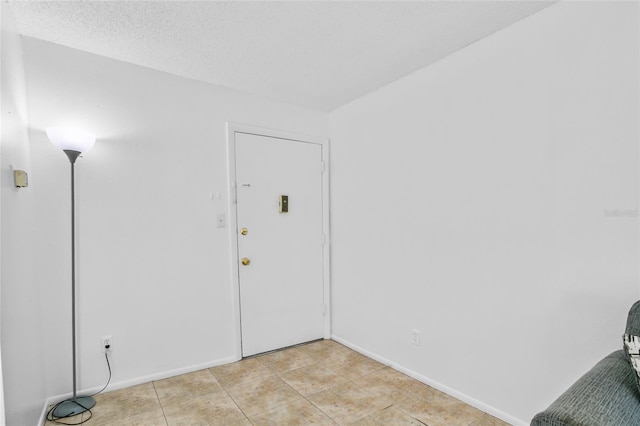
[232,129]
[133,382]
[233,238]
[326,226]
[436,385]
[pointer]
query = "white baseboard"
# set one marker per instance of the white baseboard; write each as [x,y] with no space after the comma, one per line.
[136,381]
[436,385]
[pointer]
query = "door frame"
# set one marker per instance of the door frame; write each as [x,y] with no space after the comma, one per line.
[232,129]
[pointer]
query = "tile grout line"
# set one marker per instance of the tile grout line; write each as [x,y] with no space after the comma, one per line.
[224,389]
[229,395]
[320,409]
[306,397]
[237,405]
[153,383]
[234,401]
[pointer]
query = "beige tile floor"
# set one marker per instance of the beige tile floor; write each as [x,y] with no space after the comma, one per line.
[320,383]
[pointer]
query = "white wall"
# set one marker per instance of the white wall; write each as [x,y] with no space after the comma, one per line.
[472,201]
[153,269]
[2,36]
[22,349]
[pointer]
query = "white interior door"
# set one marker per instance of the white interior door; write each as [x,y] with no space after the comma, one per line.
[281,284]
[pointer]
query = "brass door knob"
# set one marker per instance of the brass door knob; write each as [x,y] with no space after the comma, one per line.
[245,261]
[244,231]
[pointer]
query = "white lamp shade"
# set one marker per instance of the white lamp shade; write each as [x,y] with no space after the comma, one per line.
[69,139]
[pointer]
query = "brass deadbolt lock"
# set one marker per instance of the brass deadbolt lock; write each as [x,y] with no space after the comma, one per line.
[244,231]
[245,261]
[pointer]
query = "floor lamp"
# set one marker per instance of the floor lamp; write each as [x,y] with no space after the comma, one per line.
[73,142]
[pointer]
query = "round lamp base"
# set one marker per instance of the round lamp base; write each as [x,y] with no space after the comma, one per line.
[73,407]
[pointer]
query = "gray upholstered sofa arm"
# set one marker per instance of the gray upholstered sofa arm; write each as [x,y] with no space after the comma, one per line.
[606,395]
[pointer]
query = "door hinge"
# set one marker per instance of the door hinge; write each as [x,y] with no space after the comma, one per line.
[324,309]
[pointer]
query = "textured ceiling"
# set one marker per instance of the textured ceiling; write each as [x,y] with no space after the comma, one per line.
[317,54]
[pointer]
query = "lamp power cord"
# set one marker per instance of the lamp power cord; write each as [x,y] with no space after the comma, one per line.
[56,420]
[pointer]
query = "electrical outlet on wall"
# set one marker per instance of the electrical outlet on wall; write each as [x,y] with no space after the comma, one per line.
[415,337]
[106,342]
